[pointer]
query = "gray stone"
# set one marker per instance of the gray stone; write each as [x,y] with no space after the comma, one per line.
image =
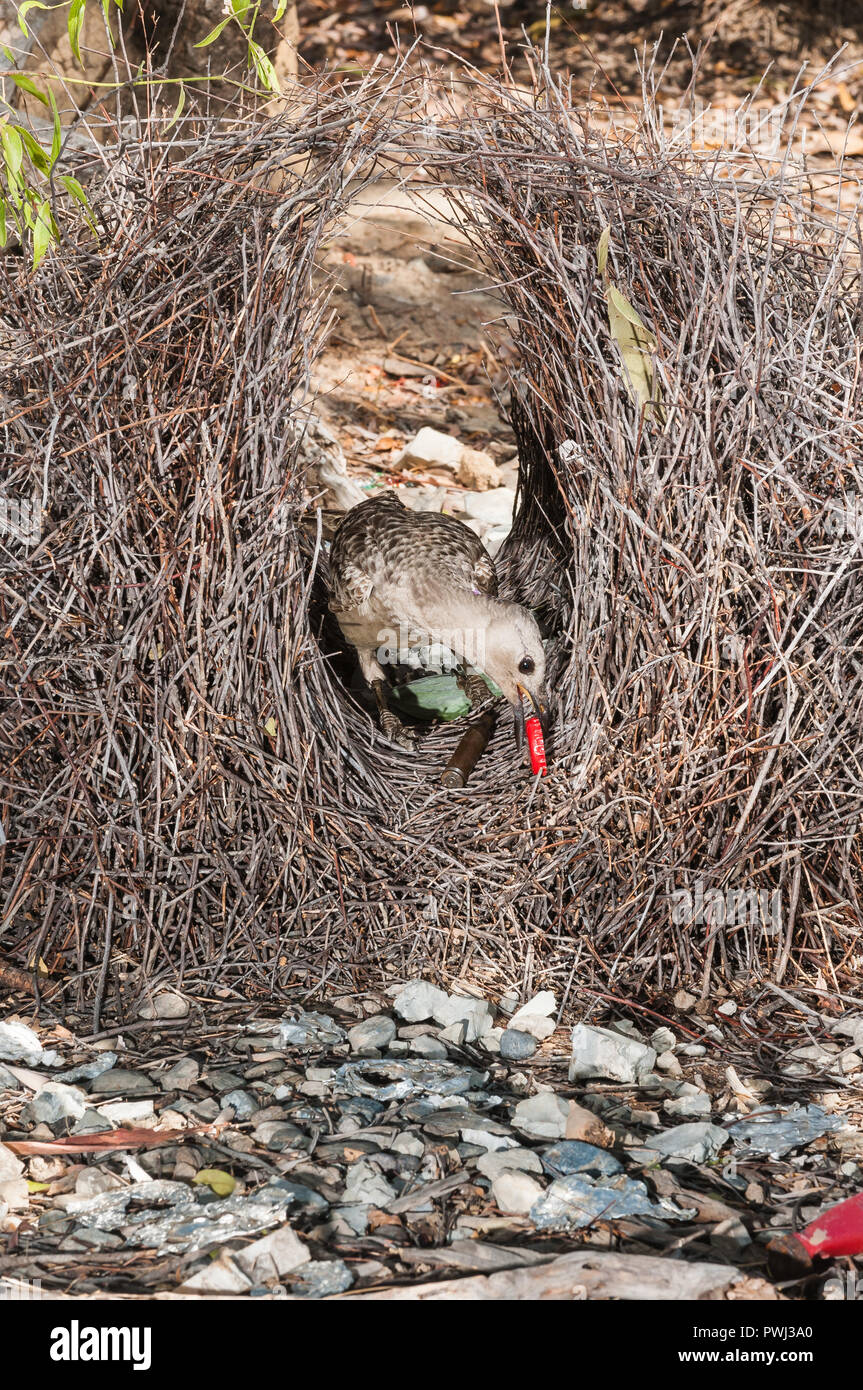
[277,1135]
[243,1104]
[366,1186]
[166,1004]
[321,1278]
[516,1046]
[8,1080]
[541,1117]
[181,1075]
[53,1103]
[118,1082]
[88,1070]
[409,1144]
[603,1053]
[375,1032]
[508,1160]
[427,1046]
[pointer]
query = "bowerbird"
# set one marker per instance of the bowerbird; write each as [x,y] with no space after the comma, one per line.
[429,578]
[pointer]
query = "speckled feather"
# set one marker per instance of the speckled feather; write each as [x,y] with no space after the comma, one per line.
[383,554]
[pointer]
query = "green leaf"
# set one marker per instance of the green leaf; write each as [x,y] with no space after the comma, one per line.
[4,235]
[38,157]
[74,189]
[241,8]
[74,25]
[28,85]
[218,1181]
[214,33]
[22,12]
[13,149]
[280,11]
[57,139]
[43,232]
[264,68]
[37,1186]
[602,250]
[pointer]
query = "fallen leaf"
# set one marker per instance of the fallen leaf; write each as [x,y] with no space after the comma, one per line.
[218,1181]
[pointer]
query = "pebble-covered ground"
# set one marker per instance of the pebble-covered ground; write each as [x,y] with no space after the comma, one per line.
[399,1143]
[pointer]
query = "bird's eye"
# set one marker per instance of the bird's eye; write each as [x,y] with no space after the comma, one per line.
[527,665]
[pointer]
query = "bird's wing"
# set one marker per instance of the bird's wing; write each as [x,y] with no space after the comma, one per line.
[457,553]
[350,588]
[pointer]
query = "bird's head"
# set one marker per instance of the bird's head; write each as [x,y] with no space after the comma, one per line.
[515,660]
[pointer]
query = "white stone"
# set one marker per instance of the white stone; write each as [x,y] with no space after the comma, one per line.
[220,1276]
[10,1166]
[126,1112]
[541,1117]
[688,1107]
[515,1192]
[474,1013]
[418,1000]
[18,1043]
[432,447]
[273,1255]
[15,1194]
[495,508]
[600,1052]
[667,1062]
[535,1024]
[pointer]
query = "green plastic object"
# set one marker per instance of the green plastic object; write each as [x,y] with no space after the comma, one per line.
[434,697]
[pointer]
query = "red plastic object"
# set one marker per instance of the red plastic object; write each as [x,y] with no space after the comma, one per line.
[838,1231]
[536,744]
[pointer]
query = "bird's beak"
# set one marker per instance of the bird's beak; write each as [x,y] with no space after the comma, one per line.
[529,707]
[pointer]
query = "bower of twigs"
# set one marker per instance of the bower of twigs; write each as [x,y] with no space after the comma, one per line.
[189,787]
